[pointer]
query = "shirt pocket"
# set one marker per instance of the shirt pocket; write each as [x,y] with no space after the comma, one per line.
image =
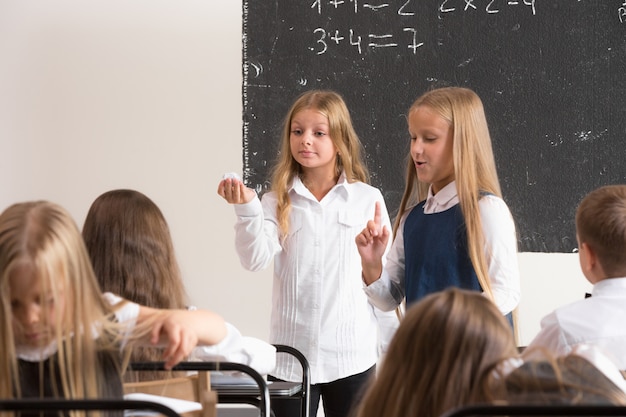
[351,219]
[351,222]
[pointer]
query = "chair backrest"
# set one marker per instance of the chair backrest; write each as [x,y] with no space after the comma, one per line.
[537,410]
[306,376]
[264,393]
[196,387]
[54,404]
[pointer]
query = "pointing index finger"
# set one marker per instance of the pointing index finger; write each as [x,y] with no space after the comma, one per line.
[377,215]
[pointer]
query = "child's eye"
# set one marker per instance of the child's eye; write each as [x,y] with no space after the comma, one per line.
[320,133]
[296,131]
[429,139]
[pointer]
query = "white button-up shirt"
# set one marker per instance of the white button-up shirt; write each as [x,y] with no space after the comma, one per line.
[500,251]
[597,320]
[318,305]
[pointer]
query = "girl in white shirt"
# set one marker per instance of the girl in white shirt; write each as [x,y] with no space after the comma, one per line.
[306,225]
[59,336]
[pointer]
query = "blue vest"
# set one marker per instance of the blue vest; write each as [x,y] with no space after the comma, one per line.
[436,256]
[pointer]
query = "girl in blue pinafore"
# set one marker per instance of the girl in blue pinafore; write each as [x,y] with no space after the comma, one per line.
[453,228]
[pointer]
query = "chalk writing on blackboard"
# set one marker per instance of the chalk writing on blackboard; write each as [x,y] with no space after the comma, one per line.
[373,40]
[360,38]
[446,6]
[492,7]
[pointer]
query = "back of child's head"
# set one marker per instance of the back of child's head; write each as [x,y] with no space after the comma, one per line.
[569,379]
[130,245]
[447,344]
[601,224]
[40,242]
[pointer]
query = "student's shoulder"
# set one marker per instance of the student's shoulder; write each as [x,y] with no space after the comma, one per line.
[488,198]
[124,310]
[268,196]
[490,203]
[571,315]
[363,187]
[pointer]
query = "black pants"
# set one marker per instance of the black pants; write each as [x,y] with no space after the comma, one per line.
[338,396]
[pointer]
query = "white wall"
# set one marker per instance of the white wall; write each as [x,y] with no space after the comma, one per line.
[146,94]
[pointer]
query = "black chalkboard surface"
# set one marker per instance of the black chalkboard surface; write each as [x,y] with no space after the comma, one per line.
[551,74]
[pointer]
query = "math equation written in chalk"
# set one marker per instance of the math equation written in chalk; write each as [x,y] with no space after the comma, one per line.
[399,15]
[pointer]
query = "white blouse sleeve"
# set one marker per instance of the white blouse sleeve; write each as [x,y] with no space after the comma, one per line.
[128,312]
[388,291]
[256,233]
[236,348]
[501,252]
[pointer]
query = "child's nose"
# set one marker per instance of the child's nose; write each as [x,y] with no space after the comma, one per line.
[31,315]
[416,147]
[307,137]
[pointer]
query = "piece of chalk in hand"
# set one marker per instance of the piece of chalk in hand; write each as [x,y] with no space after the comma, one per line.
[232,175]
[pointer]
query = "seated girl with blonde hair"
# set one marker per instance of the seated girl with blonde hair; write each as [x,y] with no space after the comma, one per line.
[59,335]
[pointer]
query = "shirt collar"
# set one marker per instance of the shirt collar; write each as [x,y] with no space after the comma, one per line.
[298,186]
[444,198]
[36,354]
[608,286]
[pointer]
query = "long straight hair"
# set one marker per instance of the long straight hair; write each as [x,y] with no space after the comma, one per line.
[474,167]
[43,238]
[343,135]
[131,249]
[441,357]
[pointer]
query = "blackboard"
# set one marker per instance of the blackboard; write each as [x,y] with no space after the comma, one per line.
[551,74]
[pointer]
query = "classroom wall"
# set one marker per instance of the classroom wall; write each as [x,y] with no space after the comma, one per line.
[146,94]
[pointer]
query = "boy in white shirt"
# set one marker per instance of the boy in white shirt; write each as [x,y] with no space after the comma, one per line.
[600,319]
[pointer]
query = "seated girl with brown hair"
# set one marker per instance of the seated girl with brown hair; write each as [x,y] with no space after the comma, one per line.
[131,249]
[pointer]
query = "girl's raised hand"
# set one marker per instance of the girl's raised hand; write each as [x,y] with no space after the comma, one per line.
[234,191]
[371,243]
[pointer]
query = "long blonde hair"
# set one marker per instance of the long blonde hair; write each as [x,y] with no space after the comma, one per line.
[441,356]
[343,135]
[474,166]
[42,236]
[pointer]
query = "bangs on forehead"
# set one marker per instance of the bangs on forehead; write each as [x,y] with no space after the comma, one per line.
[44,268]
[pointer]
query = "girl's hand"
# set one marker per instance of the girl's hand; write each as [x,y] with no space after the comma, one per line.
[170,331]
[371,243]
[180,331]
[234,191]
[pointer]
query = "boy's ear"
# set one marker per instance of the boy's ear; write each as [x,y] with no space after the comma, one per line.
[588,259]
